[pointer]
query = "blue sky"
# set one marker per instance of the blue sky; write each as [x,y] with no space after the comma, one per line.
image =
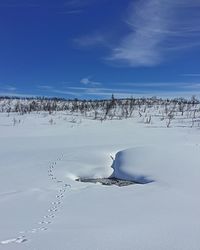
[93,48]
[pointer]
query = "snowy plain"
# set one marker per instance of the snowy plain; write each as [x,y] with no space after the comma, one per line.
[42,207]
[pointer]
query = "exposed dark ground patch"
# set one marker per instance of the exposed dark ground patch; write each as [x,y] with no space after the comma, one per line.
[107,181]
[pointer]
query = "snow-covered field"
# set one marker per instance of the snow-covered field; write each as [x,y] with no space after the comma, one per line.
[42,207]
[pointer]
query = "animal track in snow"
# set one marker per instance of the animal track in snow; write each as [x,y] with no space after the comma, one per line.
[44,222]
[49,216]
[51,211]
[55,202]
[19,239]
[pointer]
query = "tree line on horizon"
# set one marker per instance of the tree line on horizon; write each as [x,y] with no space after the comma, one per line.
[105,109]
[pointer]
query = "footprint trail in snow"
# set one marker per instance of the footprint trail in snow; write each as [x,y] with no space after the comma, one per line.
[53,209]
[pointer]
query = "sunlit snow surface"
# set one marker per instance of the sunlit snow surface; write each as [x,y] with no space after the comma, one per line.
[42,207]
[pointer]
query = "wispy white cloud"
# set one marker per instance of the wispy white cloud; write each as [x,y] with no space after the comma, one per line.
[183,89]
[10,88]
[16,94]
[7,88]
[147,84]
[128,89]
[191,86]
[81,3]
[191,75]
[99,92]
[75,6]
[53,91]
[156,28]
[75,3]
[187,90]
[89,81]
[71,12]
[168,86]
[66,92]
[94,39]
[45,87]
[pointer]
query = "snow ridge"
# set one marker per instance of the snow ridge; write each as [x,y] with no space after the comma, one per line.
[119,170]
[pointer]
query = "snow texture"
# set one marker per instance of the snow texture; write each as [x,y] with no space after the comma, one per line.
[42,206]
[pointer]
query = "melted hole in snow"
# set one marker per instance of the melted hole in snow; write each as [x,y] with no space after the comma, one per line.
[107,181]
